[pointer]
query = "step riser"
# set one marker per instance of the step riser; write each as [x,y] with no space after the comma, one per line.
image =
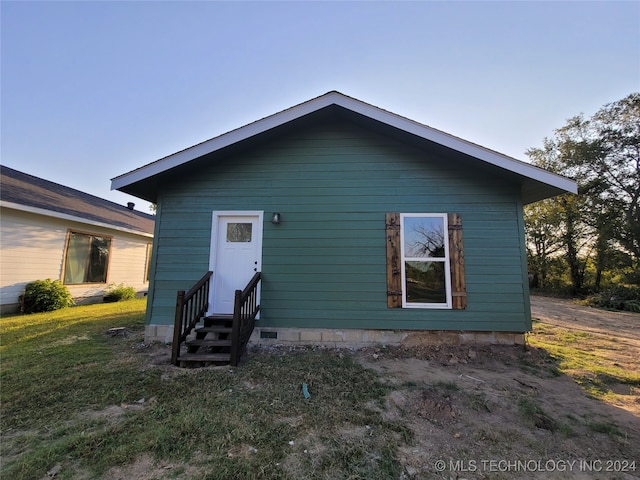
[213,330]
[208,357]
[219,321]
[209,343]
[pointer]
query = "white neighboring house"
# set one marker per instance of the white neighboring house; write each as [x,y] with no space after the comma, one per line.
[51,231]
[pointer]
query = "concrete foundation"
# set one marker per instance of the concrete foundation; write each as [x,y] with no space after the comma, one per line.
[362,338]
[158,333]
[353,338]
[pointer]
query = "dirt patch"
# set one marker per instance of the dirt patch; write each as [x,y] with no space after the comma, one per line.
[145,468]
[436,407]
[612,337]
[497,407]
[565,313]
[507,411]
[114,411]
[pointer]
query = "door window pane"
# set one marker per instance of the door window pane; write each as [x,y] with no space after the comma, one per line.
[239,232]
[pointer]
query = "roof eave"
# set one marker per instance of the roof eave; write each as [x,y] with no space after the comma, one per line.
[534,191]
[72,218]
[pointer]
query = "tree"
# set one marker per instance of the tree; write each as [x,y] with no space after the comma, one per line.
[616,136]
[543,228]
[603,154]
[555,225]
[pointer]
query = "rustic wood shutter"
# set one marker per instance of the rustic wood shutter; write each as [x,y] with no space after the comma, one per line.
[456,258]
[394,277]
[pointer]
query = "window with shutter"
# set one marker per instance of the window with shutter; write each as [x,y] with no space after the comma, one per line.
[425,261]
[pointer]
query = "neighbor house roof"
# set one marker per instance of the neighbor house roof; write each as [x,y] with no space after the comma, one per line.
[25,192]
[536,183]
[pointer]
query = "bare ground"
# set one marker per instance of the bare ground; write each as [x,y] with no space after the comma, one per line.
[564,313]
[505,412]
[613,336]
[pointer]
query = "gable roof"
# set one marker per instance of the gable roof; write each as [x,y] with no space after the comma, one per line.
[25,192]
[536,183]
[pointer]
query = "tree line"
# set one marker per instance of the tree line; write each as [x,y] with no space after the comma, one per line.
[590,242]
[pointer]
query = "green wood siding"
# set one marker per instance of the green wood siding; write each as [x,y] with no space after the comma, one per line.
[324,265]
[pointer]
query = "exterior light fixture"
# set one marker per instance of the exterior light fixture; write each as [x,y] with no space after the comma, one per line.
[275,219]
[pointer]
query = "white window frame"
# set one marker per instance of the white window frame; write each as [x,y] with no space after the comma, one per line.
[445,260]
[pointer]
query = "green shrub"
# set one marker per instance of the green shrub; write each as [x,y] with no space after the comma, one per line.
[620,297]
[118,293]
[45,296]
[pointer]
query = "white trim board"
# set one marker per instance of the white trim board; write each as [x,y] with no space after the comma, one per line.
[72,218]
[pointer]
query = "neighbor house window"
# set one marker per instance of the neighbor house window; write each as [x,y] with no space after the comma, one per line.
[425,262]
[148,262]
[86,258]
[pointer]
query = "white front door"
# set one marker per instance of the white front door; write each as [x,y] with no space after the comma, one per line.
[236,255]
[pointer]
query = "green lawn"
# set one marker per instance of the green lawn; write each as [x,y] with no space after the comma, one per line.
[78,398]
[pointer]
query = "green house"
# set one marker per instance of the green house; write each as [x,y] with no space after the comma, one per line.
[365,226]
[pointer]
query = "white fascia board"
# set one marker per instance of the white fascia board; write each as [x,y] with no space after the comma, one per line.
[357,106]
[71,218]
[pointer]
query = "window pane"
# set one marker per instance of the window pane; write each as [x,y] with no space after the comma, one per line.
[425,282]
[148,264]
[98,261]
[78,249]
[239,232]
[423,237]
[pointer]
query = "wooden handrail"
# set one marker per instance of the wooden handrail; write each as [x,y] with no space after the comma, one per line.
[190,308]
[245,310]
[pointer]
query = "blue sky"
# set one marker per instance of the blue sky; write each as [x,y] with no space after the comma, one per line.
[91,90]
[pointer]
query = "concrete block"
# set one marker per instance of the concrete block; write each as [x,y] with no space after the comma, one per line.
[310,335]
[373,336]
[468,338]
[158,333]
[390,337]
[149,334]
[332,336]
[353,336]
[166,332]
